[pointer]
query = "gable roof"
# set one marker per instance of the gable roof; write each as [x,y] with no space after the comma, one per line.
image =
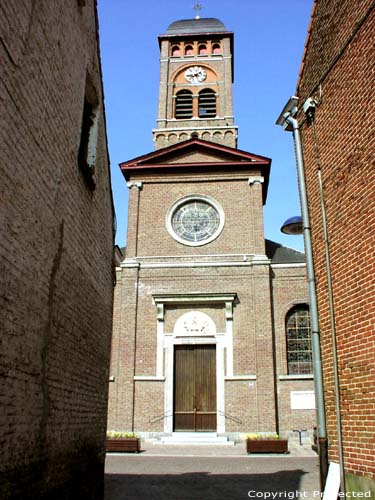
[283,255]
[218,158]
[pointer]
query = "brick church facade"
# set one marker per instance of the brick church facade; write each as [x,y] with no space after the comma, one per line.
[211,328]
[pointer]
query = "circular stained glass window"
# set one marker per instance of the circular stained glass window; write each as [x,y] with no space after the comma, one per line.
[195,220]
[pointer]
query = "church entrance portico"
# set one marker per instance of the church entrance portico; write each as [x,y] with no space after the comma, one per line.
[195,355]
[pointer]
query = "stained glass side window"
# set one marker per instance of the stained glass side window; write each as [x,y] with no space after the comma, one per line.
[298,341]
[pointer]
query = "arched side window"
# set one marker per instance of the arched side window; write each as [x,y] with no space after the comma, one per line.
[175,51]
[189,50]
[216,49]
[207,103]
[184,105]
[202,50]
[298,341]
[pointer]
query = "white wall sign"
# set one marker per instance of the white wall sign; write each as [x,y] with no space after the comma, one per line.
[302,400]
[332,487]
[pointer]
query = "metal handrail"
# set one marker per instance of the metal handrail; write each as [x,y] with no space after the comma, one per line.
[230,417]
[157,418]
[162,416]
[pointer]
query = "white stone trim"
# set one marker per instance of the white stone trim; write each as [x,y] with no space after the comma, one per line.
[168,386]
[241,377]
[229,335]
[183,129]
[130,263]
[256,179]
[220,388]
[134,184]
[194,298]
[148,378]
[160,265]
[297,377]
[207,255]
[196,264]
[285,266]
[159,340]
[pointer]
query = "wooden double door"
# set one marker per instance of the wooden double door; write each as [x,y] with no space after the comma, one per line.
[195,388]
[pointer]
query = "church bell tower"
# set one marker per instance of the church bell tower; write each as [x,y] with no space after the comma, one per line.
[196,76]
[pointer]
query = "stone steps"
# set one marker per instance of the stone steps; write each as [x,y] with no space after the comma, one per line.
[195,439]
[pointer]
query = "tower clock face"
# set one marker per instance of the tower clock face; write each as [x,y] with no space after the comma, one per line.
[195,221]
[195,74]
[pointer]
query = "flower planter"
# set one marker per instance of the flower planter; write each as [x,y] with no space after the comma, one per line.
[124,445]
[267,446]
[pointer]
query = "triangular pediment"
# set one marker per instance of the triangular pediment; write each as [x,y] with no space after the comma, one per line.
[195,151]
[196,156]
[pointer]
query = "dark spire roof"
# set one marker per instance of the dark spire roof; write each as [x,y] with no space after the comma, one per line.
[201,25]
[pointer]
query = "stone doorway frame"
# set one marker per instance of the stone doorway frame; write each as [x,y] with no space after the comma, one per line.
[167,340]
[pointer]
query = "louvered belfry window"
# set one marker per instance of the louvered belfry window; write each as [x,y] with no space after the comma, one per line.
[207,103]
[184,105]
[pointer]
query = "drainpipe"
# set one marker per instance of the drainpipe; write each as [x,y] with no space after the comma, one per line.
[287,118]
[336,381]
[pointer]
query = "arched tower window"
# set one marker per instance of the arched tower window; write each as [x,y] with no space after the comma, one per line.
[184,105]
[207,103]
[175,51]
[216,49]
[298,340]
[189,50]
[202,50]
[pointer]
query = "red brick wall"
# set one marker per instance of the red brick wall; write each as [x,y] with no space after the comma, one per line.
[56,252]
[343,31]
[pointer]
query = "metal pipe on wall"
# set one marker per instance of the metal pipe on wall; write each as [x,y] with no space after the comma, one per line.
[287,118]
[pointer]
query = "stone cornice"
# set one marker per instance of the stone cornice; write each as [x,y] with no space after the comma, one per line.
[193,298]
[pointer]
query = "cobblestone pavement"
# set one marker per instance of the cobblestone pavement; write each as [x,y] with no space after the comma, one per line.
[210,472]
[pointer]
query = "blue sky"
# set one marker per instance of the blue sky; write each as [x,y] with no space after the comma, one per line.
[269,38]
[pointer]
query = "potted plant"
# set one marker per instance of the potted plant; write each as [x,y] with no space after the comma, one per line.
[266,443]
[123,442]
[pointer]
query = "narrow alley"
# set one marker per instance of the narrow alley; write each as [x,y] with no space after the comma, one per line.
[211,473]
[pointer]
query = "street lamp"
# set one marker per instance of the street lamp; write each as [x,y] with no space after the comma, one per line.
[293,226]
[289,123]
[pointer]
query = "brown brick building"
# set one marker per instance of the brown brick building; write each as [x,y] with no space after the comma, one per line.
[211,328]
[56,250]
[338,72]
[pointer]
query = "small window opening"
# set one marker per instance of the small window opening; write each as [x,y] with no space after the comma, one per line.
[87,150]
[184,105]
[176,51]
[189,50]
[216,49]
[207,104]
[202,50]
[194,135]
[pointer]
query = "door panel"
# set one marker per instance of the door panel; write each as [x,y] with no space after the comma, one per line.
[195,388]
